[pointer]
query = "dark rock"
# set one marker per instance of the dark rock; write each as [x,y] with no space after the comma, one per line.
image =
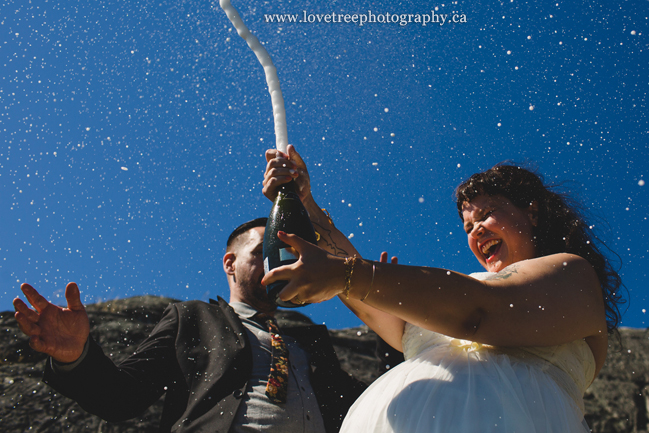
[27,404]
[617,401]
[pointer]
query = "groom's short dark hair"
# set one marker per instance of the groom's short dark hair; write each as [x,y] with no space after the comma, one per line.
[258,222]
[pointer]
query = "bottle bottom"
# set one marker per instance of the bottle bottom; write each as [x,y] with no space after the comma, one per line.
[273,294]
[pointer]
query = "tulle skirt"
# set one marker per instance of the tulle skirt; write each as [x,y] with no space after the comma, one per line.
[452,389]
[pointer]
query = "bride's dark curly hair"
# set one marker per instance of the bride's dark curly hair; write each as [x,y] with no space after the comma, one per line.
[560,229]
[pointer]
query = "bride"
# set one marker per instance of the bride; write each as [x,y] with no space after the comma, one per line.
[511,349]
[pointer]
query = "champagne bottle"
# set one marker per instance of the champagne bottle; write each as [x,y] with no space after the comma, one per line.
[288,215]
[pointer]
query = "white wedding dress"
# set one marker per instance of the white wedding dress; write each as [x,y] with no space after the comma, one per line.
[447,385]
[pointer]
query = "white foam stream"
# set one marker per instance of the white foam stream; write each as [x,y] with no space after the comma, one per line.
[279,113]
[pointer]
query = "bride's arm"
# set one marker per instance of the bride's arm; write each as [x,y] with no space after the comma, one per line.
[388,326]
[539,302]
[281,169]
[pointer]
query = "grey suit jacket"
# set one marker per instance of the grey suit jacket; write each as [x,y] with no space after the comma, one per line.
[199,355]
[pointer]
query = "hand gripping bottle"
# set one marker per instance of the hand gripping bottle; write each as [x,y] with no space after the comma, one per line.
[288,215]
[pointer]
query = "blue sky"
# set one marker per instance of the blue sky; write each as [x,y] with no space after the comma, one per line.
[133,133]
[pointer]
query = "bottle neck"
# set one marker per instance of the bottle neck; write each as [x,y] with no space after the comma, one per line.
[289,188]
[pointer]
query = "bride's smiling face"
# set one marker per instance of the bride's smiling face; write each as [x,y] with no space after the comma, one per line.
[499,233]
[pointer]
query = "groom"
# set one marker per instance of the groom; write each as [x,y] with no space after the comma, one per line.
[212,361]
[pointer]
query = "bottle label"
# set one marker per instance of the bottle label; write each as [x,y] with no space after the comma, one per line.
[286,254]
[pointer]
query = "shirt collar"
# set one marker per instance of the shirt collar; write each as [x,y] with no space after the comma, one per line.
[244,311]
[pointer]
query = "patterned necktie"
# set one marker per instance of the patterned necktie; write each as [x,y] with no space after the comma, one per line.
[276,388]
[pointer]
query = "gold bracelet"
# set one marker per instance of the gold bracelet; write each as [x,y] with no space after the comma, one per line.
[349,270]
[371,284]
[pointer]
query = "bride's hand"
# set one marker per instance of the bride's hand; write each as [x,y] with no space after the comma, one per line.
[317,276]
